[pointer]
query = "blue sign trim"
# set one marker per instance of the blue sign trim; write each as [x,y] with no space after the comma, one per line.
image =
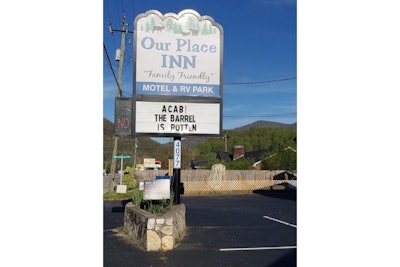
[177,89]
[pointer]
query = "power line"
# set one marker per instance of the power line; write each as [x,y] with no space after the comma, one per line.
[110,24]
[123,92]
[109,63]
[261,82]
[108,12]
[121,7]
[262,115]
[229,83]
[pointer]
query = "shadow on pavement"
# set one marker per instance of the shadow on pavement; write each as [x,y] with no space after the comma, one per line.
[289,260]
[281,194]
[122,208]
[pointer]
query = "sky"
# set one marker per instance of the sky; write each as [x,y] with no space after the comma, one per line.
[259,55]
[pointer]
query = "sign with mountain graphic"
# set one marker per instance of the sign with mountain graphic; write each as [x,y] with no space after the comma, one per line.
[178,54]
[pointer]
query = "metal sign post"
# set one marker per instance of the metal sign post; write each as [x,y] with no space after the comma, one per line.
[122,171]
[122,157]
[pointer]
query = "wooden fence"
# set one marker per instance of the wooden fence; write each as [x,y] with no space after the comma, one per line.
[204,182]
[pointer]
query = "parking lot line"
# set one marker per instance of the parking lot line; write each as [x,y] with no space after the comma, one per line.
[273,219]
[257,248]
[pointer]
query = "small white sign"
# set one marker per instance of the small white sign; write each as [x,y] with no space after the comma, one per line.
[121,189]
[149,162]
[177,154]
[157,189]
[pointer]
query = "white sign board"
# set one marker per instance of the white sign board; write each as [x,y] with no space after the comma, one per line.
[121,188]
[178,54]
[157,189]
[165,118]
[177,154]
[149,162]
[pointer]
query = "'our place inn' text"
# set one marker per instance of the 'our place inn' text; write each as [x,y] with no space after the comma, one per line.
[181,45]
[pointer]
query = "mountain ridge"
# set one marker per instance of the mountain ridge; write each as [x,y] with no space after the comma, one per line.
[150,148]
[193,141]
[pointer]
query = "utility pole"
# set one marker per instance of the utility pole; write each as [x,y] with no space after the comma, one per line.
[124,31]
[134,154]
[226,142]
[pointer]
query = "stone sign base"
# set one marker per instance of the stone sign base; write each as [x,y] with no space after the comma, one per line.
[155,233]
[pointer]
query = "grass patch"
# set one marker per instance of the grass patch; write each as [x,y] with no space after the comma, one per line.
[118,196]
[157,207]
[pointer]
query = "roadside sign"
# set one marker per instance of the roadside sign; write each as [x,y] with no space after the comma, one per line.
[123,116]
[178,75]
[122,157]
[149,162]
[177,118]
[157,189]
[178,55]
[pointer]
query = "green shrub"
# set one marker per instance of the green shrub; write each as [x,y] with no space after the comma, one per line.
[156,208]
[129,179]
[137,197]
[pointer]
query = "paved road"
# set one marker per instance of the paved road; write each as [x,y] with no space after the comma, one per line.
[224,230]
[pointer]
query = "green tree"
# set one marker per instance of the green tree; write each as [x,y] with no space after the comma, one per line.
[205,151]
[169,24]
[273,140]
[240,164]
[283,160]
[187,155]
[191,23]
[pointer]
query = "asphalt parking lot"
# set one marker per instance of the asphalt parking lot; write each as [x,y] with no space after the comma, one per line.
[257,229]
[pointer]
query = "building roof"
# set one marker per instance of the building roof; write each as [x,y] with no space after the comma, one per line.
[256,155]
[225,156]
[199,163]
[273,155]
